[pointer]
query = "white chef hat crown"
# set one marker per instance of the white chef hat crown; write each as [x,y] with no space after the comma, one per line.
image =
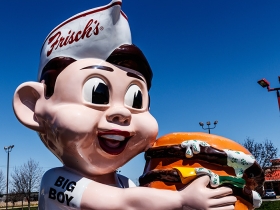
[94,33]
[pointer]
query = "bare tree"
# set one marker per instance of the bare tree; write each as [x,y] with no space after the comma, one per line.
[263,152]
[26,179]
[2,182]
[18,184]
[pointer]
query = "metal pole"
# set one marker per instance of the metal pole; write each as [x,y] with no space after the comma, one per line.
[208,129]
[7,187]
[278,99]
[8,150]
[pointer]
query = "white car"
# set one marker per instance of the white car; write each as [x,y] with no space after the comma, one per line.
[269,193]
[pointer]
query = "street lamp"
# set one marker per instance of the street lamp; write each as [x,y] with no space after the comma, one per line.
[265,84]
[208,125]
[8,150]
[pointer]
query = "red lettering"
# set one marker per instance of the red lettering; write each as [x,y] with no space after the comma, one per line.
[87,29]
[60,44]
[71,39]
[96,30]
[57,41]
[54,43]
[76,37]
[66,40]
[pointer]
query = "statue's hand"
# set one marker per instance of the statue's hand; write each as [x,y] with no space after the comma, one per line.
[196,196]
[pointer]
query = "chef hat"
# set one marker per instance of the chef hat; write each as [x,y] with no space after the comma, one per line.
[94,33]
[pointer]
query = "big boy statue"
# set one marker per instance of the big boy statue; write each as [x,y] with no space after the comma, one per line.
[90,108]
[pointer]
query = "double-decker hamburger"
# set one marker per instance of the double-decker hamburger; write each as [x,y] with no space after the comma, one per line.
[177,159]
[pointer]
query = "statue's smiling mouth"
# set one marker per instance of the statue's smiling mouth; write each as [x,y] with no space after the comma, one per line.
[113,142]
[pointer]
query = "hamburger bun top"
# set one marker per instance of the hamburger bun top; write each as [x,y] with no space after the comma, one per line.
[215,141]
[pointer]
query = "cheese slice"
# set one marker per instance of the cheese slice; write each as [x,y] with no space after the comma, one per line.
[186,174]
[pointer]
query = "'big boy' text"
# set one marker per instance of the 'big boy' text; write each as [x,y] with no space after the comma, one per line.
[62,196]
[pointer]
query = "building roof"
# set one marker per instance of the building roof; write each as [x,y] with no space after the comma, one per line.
[275,162]
[273,176]
[273,173]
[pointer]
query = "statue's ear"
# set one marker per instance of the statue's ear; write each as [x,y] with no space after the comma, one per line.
[24,103]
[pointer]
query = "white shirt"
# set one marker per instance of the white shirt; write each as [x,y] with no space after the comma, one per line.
[63,189]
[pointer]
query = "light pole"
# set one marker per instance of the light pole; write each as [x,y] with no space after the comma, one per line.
[265,84]
[8,150]
[208,125]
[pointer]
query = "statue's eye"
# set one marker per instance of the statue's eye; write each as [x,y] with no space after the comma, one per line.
[133,97]
[96,91]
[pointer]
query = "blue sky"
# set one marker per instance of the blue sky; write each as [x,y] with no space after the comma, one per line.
[206,58]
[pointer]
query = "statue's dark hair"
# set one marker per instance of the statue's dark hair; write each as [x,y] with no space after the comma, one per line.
[129,56]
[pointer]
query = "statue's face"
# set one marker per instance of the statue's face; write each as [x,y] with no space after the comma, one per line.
[98,117]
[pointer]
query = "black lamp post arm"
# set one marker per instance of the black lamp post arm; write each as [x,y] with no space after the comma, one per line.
[208,126]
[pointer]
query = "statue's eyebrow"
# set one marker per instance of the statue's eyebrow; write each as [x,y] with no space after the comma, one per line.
[130,74]
[106,68]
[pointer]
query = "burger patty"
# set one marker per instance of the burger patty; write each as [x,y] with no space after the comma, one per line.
[207,153]
[254,174]
[159,175]
[171,176]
